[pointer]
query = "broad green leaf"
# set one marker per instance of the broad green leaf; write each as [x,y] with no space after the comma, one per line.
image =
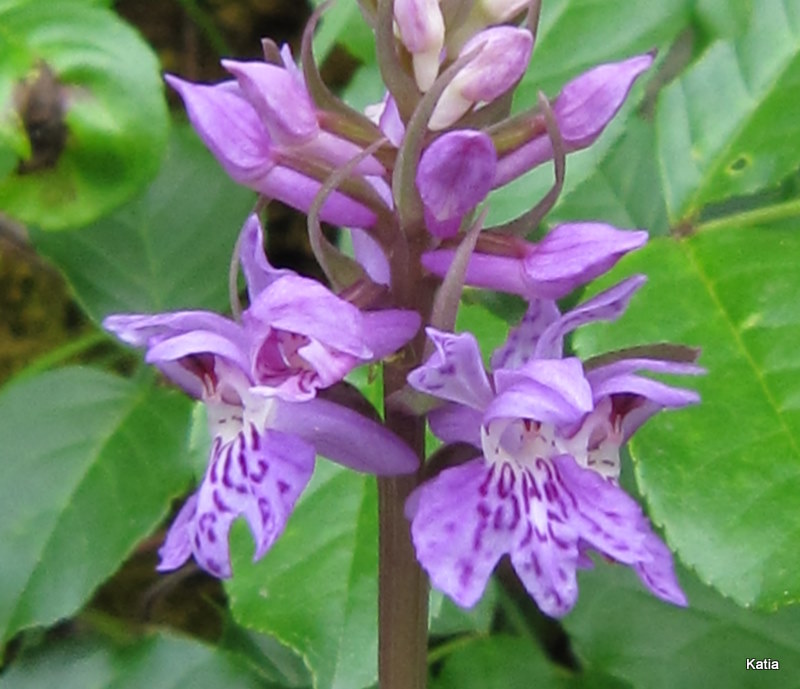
[342,23]
[617,626]
[156,662]
[575,35]
[90,465]
[168,249]
[109,88]
[724,127]
[508,662]
[725,18]
[723,478]
[316,590]
[624,189]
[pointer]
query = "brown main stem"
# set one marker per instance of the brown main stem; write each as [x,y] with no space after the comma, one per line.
[402,585]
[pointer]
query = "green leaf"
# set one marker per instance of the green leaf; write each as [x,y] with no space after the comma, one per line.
[168,249]
[723,478]
[574,36]
[723,127]
[619,627]
[342,23]
[91,464]
[507,662]
[108,86]
[624,189]
[157,662]
[725,18]
[316,590]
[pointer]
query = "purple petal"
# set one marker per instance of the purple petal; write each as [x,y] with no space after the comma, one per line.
[582,110]
[552,391]
[386,115]
[658,574]
[388,330]
[344,436]
[523,340]
[255,475]
[454,372]
[500,273]
[460,529]
[607,306]
[369,254]
[605,516]
[177,547]
[454,423]
[303,306]
[279,98]
[572,254]
[258,272]
[454,175]
[298,191]
[171,336]
[229,127]
[587,103]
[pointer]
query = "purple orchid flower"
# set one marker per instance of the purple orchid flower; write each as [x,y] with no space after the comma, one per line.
[261,124]
[569,255]
[258,380]
[582,111]
[544,490]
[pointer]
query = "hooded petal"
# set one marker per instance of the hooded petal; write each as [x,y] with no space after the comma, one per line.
[303,306]
[454,372]
[229,127]
[572,254]
[279,98]
[454,175]
[345,436]
[461,526]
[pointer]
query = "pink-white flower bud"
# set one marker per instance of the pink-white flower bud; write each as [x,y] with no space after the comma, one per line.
[503,55]
[421,28]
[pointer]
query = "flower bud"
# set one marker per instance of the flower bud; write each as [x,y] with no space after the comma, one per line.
[455,174]
[582,110]
[421,28]
[503,55]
